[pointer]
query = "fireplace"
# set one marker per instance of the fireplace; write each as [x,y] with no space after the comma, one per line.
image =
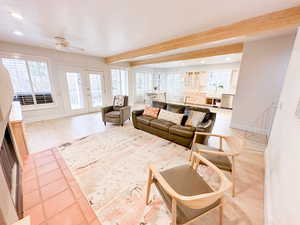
[12,171]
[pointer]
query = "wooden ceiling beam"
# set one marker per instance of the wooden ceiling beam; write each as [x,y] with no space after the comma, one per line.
[202,53]
[286,18]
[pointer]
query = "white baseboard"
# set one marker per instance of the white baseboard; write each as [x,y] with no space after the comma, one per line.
[43,117]
[249,128]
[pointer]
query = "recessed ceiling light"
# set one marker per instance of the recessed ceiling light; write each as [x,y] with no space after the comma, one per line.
[228,58]
[16,15]
[18,33]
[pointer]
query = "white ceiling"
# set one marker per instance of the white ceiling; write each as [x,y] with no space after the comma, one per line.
[108,27]
[220,59]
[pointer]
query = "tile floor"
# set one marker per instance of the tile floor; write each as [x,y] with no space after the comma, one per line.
[51,194]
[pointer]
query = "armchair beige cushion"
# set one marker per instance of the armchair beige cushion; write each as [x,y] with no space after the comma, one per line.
[185,192]
[113,114]
[185,181]
[221,161]
[170,116]
[195,118]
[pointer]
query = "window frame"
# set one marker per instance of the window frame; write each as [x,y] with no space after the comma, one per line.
[46,60]
[127,85]
[216,71]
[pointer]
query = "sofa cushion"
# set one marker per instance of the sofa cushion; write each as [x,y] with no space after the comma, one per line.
[151,111]
[185,181]
[113,114]
[175,108]
[144,119]
[161,124]
[119,100]
[183,131]
[195,118]
[207,117]
[170,116]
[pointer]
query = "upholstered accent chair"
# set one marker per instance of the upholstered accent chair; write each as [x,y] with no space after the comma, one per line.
[118,113]
[186,193]
[224,160]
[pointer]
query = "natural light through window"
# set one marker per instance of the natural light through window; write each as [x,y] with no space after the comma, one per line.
[171,83]
[119,79]
[75,91]
[219,81]
[30,81]
[95,89]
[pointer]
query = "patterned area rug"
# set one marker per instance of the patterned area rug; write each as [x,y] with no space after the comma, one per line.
[111,168]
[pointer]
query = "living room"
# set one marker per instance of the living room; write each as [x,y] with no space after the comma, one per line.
[185,125]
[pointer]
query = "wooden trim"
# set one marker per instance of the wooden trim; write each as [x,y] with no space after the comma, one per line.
[286,18]
[221,50]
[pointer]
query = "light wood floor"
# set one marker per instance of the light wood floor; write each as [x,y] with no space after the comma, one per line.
[250,164]
[47,134]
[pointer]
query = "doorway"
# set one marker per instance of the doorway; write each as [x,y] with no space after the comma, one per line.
[85,90]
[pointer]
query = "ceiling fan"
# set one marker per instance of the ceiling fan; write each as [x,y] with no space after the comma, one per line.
[63,45]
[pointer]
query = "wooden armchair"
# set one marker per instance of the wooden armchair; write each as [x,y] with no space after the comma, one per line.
[224,160]
[185,193]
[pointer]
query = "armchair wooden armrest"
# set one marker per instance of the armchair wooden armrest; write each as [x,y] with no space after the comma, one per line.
[211,135]
[221,153]
[235,144]
[156,174]
[225,183]
[196,158]
[198,201]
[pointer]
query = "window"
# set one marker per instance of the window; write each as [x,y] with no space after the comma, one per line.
[95,89]
[143,85]
[219,81]
[30,80]
[171,83]
[119,79]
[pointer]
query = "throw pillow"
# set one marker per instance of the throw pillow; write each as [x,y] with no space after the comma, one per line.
[170,116]
[205,124]
[195,118]
[151,111]
[119,100]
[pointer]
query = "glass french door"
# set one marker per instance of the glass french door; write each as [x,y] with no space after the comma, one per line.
[95,91]
[85,91]
[75,90]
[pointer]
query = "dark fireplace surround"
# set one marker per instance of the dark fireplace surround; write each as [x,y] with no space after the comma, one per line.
[12,171]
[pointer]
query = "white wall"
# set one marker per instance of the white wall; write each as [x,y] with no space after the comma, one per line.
[282,154]
[7,209]
[57,62]
[263,67]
